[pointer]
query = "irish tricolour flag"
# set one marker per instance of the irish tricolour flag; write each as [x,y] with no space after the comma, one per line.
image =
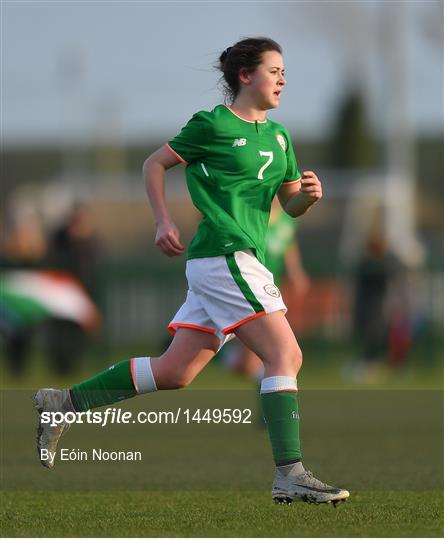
[35,295]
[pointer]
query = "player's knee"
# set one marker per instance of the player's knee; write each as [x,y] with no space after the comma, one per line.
[289,360]
[181,380]
[293,358]
[297,358]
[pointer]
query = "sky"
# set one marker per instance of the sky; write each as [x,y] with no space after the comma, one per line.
[85,70]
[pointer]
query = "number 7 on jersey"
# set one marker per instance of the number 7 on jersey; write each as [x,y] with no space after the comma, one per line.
[260,174]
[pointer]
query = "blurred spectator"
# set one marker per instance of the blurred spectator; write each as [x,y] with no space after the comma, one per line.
[23,245]
[74,247]
[407,315]
[55,302]
[31,298]
[375,276]
[23,242]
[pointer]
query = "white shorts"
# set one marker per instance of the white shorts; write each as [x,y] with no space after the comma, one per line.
[225,292]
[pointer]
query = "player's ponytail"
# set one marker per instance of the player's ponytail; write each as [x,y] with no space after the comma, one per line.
[245,54]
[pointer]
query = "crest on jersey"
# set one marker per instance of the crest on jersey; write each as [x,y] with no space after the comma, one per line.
[272,290]
[281,141]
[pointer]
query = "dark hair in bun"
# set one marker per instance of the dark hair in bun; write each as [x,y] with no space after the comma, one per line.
[245,54]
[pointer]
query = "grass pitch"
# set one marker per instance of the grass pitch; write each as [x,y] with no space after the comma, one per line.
[223,513]
[207,480]
[384,444]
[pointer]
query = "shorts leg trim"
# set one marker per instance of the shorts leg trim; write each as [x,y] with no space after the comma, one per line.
[233,326]
[242,284]
[172,329]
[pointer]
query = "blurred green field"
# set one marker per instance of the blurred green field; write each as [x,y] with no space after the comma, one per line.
[327,365]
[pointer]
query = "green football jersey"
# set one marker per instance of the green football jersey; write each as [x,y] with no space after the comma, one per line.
[234,168]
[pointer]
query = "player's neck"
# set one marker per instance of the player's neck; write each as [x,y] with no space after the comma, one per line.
[245,108]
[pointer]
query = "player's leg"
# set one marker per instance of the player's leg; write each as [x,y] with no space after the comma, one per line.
[189,352]
[187,355]
[272,339]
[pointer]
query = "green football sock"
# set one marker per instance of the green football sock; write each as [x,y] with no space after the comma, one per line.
[105,388]
[281,414]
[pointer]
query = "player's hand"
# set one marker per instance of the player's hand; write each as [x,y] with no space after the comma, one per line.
[311,186]
[167,239]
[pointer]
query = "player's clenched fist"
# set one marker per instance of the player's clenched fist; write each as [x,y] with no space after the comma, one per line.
[311,186]
[167,239]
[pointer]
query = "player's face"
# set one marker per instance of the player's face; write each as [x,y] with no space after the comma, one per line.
[267,81]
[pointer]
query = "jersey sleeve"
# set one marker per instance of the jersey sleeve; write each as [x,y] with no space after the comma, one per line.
[293,174]
[192,142]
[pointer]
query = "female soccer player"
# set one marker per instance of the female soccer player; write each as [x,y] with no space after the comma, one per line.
[236,160]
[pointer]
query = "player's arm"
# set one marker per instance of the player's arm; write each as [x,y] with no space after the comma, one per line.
[297,197]
[167,234]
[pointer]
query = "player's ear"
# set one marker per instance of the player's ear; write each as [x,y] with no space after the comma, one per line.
[244,76]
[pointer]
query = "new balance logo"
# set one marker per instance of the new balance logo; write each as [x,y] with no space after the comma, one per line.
[240,142]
